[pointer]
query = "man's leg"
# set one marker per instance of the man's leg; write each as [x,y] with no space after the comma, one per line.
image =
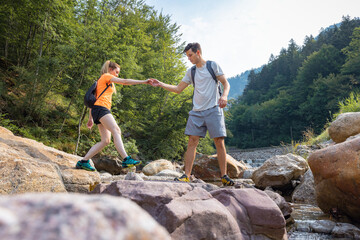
[221,154]
[190,154]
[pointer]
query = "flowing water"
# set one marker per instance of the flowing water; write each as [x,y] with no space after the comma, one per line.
[304,215]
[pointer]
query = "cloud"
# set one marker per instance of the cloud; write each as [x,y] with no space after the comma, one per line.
[241,35]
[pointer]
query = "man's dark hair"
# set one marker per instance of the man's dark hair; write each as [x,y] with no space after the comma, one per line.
[193,46]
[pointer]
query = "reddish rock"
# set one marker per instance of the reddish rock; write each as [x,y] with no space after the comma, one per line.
[188,211]
[207,167]
[280,201]
[336,171]
[345,125]
[255,212]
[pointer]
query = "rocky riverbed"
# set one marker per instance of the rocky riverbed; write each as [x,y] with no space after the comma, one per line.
[255,157]
[307,220]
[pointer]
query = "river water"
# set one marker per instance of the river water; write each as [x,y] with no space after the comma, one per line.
[304,215]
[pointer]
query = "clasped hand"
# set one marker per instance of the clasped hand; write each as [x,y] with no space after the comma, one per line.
[153,82]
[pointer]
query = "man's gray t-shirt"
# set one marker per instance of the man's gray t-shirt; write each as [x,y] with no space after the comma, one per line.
[206,93]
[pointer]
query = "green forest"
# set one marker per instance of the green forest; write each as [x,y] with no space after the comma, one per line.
[299,90]
[52,51]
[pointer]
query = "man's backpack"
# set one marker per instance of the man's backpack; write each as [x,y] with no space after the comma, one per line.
[211,71]
[90,95]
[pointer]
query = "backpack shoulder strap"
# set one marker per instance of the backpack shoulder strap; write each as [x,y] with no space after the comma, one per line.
[107,86]
[211,70]
[212,73]
[193,69]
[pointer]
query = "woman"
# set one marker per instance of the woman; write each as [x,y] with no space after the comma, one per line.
[100,114]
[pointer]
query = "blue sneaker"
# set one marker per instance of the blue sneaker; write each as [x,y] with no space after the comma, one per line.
[129,162]
[83,164]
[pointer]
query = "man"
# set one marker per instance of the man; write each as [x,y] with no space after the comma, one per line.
[207,113]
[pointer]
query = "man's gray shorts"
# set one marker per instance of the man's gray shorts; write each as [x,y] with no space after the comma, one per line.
[211,119]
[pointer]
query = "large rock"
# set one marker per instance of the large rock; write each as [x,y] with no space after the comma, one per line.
[280,201]
[188,211]
[207,167]
[255,212]
[278,171]
[108,164]
[73,216]
[157,166]
[345,125]
[305,191]
[336,171]
[29,166]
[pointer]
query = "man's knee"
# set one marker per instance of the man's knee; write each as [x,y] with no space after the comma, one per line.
[219,140]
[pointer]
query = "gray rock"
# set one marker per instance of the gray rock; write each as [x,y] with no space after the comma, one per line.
[111,165]
[73,216]
[322,226]
[346,230]
[279,170]
[133,176]
[248,173]
[305,192]
[169,173]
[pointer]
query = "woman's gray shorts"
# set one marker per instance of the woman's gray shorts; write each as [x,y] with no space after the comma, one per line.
[211,119]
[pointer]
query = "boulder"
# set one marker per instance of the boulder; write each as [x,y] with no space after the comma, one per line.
[157,166]
[111,165]
[322,226]
[206,167]
[278,171]
[280,201]
[305,191]
[29,166]
[336,171]
[255,212]
[344,126]
[188,211]
[75,216]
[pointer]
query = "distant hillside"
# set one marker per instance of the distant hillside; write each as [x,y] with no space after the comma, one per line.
[298,91]
[238,83]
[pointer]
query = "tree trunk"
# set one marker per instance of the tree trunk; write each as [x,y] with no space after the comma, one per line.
[81,119]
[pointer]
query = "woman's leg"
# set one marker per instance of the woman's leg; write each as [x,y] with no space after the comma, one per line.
[105,140]
[110,124]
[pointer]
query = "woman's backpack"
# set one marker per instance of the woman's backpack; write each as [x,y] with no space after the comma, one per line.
[90,95]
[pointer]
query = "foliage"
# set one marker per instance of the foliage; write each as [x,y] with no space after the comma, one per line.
[299,89]
[52,51]
[350,104]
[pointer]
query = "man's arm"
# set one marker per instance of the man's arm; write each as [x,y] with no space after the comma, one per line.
[172,88]
[223,98]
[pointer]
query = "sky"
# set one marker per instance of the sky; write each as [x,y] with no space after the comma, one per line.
[242,34]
